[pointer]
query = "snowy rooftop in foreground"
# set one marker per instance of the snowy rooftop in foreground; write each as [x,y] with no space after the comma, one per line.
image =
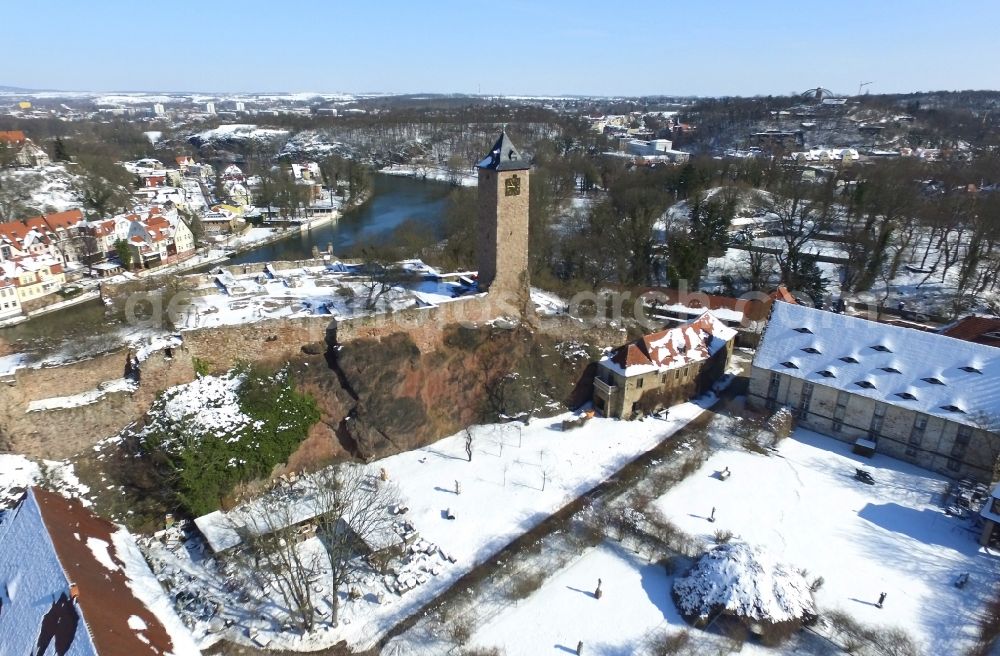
[52,549]
[925,372]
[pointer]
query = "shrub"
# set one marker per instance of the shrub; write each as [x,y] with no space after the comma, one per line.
[201,367]
[461,629]
[526,583]
[670,644]
[723,536]
[217,432]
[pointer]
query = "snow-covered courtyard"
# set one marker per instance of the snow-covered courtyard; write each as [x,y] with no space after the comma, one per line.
[515,480]
[802,505]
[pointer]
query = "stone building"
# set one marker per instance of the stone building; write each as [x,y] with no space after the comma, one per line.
[922,397]
[664,368]
[502,246]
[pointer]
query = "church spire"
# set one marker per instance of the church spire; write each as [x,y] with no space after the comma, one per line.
[504,156]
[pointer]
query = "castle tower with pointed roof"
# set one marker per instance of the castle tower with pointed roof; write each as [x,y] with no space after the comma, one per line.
[502,243]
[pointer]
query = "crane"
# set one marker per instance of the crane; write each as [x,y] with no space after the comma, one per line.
[862,86]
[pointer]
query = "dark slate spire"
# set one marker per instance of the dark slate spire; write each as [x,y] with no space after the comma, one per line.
[504,156]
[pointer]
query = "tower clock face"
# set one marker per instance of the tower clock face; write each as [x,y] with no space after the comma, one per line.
[512,186]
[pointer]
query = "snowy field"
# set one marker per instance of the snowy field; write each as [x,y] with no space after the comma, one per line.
[892,537]
[515,480]
[803,506]
[635,603]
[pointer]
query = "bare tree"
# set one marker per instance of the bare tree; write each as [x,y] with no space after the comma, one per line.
[802,213]
[280,563]
[355,519]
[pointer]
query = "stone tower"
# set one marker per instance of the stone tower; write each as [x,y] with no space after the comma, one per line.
[502,244]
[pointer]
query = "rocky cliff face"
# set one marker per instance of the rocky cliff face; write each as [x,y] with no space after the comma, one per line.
[382,396]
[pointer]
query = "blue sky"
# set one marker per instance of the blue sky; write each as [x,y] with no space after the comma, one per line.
[740,47]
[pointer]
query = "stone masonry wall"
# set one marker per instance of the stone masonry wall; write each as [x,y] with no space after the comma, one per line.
[55,434]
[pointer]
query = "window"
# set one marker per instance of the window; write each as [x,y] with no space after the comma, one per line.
[932,381]
[849,360]
[805,399]
[803,330]
[962,439]
[881,348]
[865,384]
[663,379]
[638,383]
[811,349]
[970,370]
[890,370]
[840,411]
[878,417]
[826,374]
[789,365]
[677,374]
[952,408]
[772,389]
[917,432]
[906,396]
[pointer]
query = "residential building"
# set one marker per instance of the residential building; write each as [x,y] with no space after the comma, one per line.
[73,583]
[33,277]
[919,396]
[663,368]
[10,304]
[155,238]
[26,153]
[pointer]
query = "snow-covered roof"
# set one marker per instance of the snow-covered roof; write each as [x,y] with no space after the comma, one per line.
[696,340]
[72,583]
[926,372]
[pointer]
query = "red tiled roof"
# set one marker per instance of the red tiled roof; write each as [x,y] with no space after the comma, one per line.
[65,219]
[12,136]
[981,330]
[105,599]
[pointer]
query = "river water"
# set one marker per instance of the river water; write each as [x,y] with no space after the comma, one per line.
[395,200]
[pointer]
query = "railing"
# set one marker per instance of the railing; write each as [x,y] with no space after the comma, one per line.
[604,388]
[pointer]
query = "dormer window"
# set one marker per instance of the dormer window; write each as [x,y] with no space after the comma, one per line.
[932,381]
[881,348]
[865,384]
[803,330]
[906,396]
[971,370]
[849,360]
[890,370]
[789,365]
[826,374]
[811,349]
[952,408]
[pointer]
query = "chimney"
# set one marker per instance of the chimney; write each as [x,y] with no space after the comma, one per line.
[74,592]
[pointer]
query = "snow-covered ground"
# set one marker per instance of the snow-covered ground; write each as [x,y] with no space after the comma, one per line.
[18,473]
[803,504]
[53,188]
[517,478]
[465,177]
[635,604]
[335,290]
